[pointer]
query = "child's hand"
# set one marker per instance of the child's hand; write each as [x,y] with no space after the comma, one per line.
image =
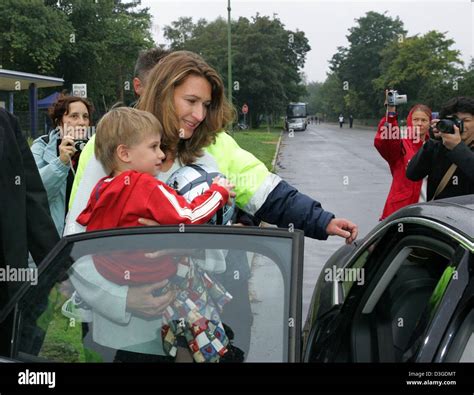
[225,183]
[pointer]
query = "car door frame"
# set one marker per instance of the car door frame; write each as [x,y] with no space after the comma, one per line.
[446,309]
[295,271]
[451,296]
[463,309]
[339,300]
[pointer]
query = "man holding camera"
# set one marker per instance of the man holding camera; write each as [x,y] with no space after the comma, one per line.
[447,158]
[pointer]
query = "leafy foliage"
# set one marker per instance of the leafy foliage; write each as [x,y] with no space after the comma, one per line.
[97,42]
[423,67]
[25,27]
[380,56]
[266,59]
[81,41]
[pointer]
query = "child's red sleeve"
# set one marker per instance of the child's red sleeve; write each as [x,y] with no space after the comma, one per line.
[168,208]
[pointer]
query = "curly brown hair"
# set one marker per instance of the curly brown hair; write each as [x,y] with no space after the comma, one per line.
[158,98]
[61,107]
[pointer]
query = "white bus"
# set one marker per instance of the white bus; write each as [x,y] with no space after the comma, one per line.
[296,116]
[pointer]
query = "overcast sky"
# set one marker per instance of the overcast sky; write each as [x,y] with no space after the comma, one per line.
[326,23]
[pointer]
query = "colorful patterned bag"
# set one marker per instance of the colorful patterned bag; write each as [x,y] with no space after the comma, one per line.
[194,314]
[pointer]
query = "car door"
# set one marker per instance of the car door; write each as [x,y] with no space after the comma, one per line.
[404,310]
[408,268]
[332,302]
[84,308]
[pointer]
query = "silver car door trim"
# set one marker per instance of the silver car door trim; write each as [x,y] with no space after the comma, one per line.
[419,221]
[385,280]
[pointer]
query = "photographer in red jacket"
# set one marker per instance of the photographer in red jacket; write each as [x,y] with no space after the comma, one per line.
[397,146]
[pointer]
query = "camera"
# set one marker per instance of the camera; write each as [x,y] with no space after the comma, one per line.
[394,99]
[447,125]
[80,144]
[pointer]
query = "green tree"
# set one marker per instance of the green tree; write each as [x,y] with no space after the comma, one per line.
[358,65]
[32,35]
[314,97]
[104,46]
[181,31]
[423,67]
[333,97]
[208,39]
[93,42]
[266,59]
[466,82]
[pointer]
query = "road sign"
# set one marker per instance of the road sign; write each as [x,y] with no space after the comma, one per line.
[79,90]
[245,109]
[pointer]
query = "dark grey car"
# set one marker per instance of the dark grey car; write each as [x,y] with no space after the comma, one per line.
[404,293]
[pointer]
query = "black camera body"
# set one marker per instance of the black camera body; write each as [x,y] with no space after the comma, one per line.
[447,125]
[80,144]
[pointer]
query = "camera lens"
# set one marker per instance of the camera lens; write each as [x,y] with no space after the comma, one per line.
[79,145]
[445,126]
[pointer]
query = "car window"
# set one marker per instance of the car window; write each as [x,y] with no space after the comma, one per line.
[355,273]
[404,298]
[94,302]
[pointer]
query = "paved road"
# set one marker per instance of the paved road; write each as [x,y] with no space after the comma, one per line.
[341,169]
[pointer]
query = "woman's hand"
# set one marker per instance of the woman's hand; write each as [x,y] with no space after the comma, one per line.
[141,302]
[66,149]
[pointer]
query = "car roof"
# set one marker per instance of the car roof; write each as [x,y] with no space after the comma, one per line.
[457,213]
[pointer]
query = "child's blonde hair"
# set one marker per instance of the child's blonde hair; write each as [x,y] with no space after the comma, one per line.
[123,125]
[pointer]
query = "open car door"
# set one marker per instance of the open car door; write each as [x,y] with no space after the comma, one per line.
[237,297]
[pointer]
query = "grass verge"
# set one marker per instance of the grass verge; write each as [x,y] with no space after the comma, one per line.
[260,143]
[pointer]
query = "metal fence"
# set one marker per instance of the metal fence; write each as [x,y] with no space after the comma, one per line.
[44,123]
